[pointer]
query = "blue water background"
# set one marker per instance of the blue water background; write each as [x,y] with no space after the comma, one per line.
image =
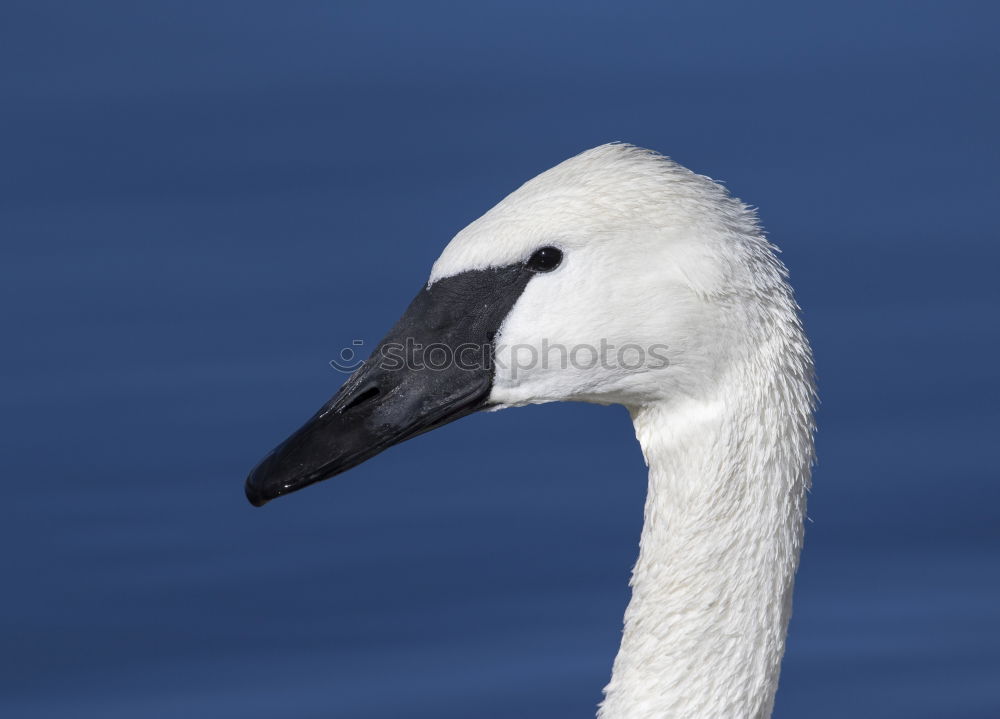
[201,203]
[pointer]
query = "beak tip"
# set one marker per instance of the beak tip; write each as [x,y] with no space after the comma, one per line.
[254,494]
[255,499]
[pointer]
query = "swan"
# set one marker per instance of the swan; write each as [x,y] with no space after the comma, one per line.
[621,277]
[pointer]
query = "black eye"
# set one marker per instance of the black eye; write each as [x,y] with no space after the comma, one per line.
[545,259]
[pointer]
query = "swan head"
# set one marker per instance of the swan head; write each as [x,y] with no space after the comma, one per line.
[617,276]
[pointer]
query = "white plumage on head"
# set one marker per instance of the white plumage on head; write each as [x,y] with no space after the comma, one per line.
[656,255]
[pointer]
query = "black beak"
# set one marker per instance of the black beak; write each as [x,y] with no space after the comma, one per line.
[434,366]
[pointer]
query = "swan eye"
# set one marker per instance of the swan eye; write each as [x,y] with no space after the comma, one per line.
[545,259]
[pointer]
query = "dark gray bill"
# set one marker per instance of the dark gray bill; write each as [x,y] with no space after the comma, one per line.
[433,367]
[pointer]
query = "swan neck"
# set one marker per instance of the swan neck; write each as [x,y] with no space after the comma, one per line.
[711,590]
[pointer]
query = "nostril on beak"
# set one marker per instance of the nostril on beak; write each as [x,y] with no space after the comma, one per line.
[366,396]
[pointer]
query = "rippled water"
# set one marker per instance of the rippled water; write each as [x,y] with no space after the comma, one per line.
[202,203]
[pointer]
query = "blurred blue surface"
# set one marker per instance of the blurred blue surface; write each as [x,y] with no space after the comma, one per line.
[201,203]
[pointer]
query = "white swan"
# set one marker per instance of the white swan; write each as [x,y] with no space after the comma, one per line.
[621,248]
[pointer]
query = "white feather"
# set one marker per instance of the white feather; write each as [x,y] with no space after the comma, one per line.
[657,255]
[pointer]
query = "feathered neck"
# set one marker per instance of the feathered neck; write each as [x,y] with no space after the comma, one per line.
[711,591]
